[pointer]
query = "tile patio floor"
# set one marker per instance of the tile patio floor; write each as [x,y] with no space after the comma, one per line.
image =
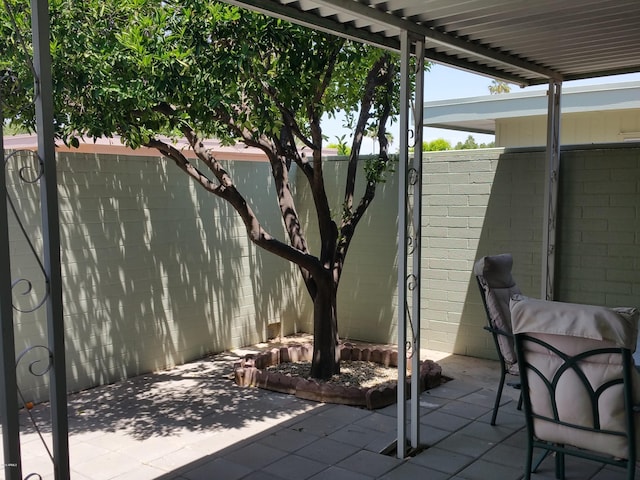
[193,423]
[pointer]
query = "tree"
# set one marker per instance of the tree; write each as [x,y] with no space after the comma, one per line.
[341,146]
[437,145]
[471,144]
[200,69]
[498,87]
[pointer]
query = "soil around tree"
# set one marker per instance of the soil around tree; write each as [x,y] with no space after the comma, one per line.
[368,375]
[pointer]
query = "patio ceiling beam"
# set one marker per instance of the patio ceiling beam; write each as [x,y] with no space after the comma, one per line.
[328,25]
[317,22]
[462,46]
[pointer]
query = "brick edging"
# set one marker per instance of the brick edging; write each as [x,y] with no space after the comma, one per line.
[251,372]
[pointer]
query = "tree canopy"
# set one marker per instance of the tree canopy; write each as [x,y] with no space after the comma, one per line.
[117,62]
[471,144]
[144,69]
[497,87]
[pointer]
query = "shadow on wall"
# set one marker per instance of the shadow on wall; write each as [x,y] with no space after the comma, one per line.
[597,244]
[156,271]
[599,228]
[274,281]
[367,294]
[512,224]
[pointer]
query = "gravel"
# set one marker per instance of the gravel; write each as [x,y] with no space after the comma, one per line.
[352,373]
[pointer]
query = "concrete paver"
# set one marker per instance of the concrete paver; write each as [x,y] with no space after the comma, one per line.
[193,423]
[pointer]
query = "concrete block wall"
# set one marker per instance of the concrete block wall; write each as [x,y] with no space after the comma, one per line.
[156,271]
[485,202]
[475,203]
[599,232]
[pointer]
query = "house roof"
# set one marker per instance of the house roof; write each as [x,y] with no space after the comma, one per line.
[523,42]
[479,114]
[113,146]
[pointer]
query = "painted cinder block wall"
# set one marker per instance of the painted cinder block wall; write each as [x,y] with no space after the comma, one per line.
[157,272]
[599,248]
[484,202]
[475,203]
[491,201]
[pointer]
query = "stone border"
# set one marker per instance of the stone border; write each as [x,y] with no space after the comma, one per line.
[251,372]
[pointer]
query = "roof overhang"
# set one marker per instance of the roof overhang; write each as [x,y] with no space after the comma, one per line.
[479,114]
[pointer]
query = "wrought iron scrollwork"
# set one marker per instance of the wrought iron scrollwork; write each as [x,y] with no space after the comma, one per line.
[413,243]
[412,178]
[30,173]
[412,285]
[410,244]
[38,367]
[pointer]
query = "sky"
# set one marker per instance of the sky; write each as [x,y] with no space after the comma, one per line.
[446,83]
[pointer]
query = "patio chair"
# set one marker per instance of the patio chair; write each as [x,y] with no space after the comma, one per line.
[497,286]
[579,384]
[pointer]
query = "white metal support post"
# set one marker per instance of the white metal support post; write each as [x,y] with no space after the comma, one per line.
[401,445]
[409,217]
[8,382]
[416,184]
[51,236]
[552,174]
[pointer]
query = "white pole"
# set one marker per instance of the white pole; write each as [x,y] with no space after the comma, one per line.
[552,173]
[402,246]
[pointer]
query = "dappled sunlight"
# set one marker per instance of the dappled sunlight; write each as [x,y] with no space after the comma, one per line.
[196,397]
[367,294]
[155,271]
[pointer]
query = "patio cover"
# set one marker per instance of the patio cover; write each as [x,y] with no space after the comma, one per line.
[526,42]
[523,42]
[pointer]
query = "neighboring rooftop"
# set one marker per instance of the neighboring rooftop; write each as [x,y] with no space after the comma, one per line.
[596,114]
[479,114]
[115,146]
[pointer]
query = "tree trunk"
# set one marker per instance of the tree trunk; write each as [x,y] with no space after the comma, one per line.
[326,354]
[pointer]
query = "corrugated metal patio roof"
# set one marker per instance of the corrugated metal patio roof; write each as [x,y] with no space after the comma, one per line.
[526,42]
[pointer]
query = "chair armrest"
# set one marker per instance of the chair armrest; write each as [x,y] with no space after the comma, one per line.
[499,331]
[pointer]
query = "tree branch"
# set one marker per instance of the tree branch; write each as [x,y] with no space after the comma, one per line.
[379,74]
[226,190]
[351,218]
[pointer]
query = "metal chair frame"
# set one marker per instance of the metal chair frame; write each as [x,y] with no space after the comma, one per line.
[573,363]
[504,371]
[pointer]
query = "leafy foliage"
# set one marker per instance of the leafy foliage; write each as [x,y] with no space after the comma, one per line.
[497,87]
[471,144]
[143,69]
[437,145]
[341,146]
